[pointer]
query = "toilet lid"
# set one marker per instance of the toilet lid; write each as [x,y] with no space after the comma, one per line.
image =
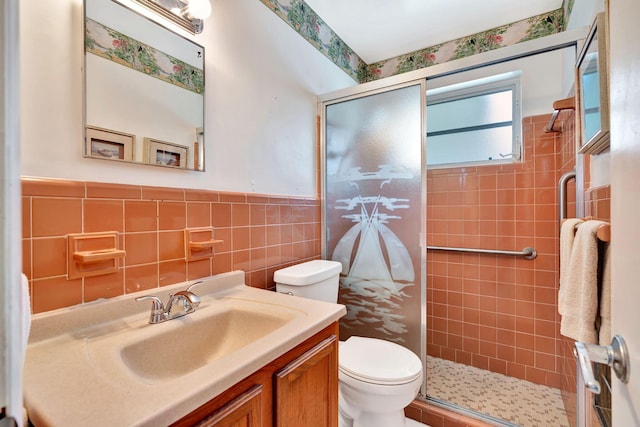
[378,361]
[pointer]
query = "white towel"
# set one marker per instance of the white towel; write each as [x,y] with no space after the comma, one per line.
[581,286]
[567,235]
[605,299]
[26,311]
[25,305]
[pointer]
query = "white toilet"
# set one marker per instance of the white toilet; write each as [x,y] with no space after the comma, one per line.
[377,378]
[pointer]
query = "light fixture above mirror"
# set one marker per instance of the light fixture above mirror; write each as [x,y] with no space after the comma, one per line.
[189,14]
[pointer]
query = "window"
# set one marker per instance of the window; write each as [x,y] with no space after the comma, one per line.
[475,122]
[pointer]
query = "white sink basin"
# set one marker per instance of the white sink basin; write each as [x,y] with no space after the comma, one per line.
[166,353]
[223,328]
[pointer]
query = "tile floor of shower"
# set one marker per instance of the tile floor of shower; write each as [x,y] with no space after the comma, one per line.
[517,401]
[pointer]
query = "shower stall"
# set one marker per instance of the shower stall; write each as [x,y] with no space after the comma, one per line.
[486,321]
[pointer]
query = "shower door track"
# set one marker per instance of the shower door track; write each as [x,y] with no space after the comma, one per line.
[466,412]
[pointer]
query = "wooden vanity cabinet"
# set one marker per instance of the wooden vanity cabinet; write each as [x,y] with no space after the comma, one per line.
[305,390]
[298,389]
[243,411]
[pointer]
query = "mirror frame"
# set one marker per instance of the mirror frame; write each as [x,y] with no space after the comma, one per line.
[597,38]
[102,136]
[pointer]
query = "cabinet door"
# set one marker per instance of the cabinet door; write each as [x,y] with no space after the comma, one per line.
[306,390]
[243,411]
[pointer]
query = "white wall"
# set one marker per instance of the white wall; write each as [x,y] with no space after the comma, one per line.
[584,12]
[262,79]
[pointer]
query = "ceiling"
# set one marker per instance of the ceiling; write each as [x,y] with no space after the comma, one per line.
[383,29]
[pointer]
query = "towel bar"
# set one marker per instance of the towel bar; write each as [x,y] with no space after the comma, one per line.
[527,253]
[604,231]
[561,104]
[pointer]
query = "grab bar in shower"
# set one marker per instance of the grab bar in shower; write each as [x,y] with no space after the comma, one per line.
[527,253]
[562,194]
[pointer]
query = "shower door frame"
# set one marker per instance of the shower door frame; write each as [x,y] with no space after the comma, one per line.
[573,37]
[322,105]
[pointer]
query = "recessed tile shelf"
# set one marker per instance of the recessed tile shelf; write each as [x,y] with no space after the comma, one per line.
[199,243]
[92,254]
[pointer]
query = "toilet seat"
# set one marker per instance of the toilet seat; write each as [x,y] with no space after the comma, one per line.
[377,361]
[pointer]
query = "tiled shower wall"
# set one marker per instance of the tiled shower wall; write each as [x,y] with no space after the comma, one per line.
[261,234]
[499,312]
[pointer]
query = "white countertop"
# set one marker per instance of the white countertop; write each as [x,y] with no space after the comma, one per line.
[73,377]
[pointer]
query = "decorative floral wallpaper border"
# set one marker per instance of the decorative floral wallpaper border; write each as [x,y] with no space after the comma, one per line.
[312,28]
[506,35]
[117,47]
[309,25]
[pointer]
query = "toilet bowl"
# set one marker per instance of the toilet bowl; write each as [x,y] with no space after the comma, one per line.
[377,378]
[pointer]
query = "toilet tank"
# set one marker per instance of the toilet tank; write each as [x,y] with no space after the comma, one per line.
[317,279]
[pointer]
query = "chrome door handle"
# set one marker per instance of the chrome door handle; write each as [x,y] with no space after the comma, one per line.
[614,355]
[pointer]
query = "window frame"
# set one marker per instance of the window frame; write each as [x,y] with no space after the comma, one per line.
[485,86]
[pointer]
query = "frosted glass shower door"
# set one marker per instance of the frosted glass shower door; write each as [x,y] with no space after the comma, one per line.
[374,214]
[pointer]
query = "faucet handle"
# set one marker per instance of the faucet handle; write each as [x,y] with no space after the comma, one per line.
[193,285]
[190,302]
[157,308]
[193,299]
[156,303]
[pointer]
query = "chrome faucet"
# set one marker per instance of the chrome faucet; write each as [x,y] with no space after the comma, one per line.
[159,313]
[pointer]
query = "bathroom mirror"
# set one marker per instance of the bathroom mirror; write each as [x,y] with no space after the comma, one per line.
[593,90]
[144,90]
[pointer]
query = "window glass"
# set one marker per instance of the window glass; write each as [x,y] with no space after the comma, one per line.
[474,123]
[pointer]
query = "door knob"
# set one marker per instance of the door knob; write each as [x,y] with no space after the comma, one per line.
[614,355]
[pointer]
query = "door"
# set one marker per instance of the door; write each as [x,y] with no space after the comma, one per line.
[625,199]
[11,329]
[306,390]
[374,210]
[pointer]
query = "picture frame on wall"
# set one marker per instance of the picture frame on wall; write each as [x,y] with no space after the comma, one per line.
[592,84]
[101,143]
[162,153]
